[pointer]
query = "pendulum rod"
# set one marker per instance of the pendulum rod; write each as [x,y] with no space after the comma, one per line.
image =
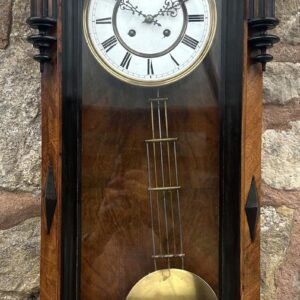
[170,176]
[163,179]
[151,208]
[167,212]
[178,205]
[155,179]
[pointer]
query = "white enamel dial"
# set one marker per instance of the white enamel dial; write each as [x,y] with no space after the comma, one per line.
[149,42]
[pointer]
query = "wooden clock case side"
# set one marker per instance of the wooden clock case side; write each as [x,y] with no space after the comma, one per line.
[250,175]
[240,159]
[51,130]
[60,106]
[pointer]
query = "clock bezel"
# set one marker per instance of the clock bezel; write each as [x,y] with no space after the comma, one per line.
[145,82]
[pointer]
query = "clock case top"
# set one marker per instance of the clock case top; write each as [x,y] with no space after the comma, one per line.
[61,109]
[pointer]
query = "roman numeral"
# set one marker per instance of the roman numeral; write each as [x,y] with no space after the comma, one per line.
[150,70]
[126,60]
[110,43]
[190,42]
[196,18]
[104,21]
[175,61]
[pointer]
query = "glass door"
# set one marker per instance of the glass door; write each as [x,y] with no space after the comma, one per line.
[150,176]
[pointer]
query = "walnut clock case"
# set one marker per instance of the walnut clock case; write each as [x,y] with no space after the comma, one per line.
[151,127]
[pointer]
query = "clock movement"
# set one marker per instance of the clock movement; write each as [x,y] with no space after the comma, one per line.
[151,127]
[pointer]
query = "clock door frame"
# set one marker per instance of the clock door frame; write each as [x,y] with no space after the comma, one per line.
[239,268]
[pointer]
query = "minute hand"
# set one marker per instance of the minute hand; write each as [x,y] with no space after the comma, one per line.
[170,8]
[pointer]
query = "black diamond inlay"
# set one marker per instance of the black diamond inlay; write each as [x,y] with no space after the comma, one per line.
[252,209]
[50,198]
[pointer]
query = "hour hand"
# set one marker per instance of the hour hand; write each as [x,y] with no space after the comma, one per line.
[127,5]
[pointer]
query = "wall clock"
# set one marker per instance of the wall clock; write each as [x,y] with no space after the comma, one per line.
[151,147]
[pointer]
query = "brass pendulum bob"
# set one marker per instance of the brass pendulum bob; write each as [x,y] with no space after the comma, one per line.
[171,284]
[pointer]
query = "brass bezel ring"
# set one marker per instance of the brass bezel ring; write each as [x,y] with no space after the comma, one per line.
[144,82]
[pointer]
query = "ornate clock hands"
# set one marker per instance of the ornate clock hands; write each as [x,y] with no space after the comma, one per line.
[170,8]
[126,5]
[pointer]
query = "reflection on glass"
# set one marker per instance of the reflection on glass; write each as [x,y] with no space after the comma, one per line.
[129,228]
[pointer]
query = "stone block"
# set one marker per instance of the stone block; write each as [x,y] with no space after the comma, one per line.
[281,157]
[286,53]
[282,83]
[280,116]
[288,12]
[287,278]
[276,226]
[19,260]
[20,13]
[5,22]
[20,140]
[17,207]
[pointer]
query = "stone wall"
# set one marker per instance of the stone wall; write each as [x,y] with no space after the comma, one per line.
[280,250]
[20,159]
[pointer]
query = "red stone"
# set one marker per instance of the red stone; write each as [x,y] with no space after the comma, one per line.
[287,276]
[17,207]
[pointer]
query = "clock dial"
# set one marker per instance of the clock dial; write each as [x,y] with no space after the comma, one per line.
[149,43]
